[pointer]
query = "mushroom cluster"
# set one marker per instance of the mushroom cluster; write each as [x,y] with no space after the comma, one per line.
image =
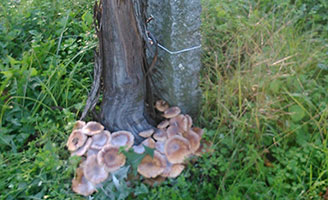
[174,140]
[100,151]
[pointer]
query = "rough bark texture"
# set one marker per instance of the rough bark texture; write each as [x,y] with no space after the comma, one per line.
[176,77]
[122,51]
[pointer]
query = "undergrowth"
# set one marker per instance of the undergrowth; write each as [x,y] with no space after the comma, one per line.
[264,82]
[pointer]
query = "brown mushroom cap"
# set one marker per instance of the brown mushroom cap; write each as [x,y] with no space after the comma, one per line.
[110,158]
[160,135]
[198,130]
[161,105]
[193,139]
[122,138]
[171,112]
[172,131]
[92,128]
[159,146]
[177,149]
[176,170]
[163,124]
[167,169]
[205,147]
[180,121]
[152,167]
[94,172]
[149,142]
[189,120]
[82,150]
[101,140]
[138,149]
[81,185]
[76,140]
[92,151]
[78,125]
[146,133]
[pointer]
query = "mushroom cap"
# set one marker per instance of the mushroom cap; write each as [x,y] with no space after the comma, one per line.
[172,131]
[205,147]
[82,150]
[122,138]
[163,124]
[146,133]
[159,146]
[167,169]
[149,142]
[101,140]
[152,167]
[198,130]
[189,120]
[176,170]
[180,121]
[193,139]
[110,158]
[161,105]
[171,112]
[94,172]
[81,185]
[92,128]
[177,149]
[160,135]
[138,149]
[78,125]
[76,140]
[92,151]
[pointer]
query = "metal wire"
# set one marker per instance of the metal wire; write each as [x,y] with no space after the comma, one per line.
[180,51]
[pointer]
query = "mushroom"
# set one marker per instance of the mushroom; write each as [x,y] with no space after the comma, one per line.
[149,142]
[154,181]
[152,167]
[92,128]
[110,158]
[138,149]
[78,125]
[180,121]
[122,138]
[177,149]
[167,169]
[176,170]
[81,185]
[76,140]
[163,124]
[189,120]
[205,147]
[171,112]
[92,151]
[172,131]
[198,130]
[82,150]
[101,140]
[94,172]
[193,139]
[159,146]
[160,135]
[146,133]
[161,105]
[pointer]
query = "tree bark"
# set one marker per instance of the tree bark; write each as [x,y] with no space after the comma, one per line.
[122,53]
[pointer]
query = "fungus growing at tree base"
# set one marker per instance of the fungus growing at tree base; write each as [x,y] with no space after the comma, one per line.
[173,142]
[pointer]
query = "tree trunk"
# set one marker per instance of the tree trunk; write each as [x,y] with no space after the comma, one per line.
[122,53]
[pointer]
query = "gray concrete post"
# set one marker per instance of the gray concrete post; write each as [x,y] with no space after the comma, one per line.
[176,26]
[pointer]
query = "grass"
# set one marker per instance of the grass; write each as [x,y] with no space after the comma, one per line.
[264,82]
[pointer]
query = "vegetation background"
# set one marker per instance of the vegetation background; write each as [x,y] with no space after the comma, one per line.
[265,97]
